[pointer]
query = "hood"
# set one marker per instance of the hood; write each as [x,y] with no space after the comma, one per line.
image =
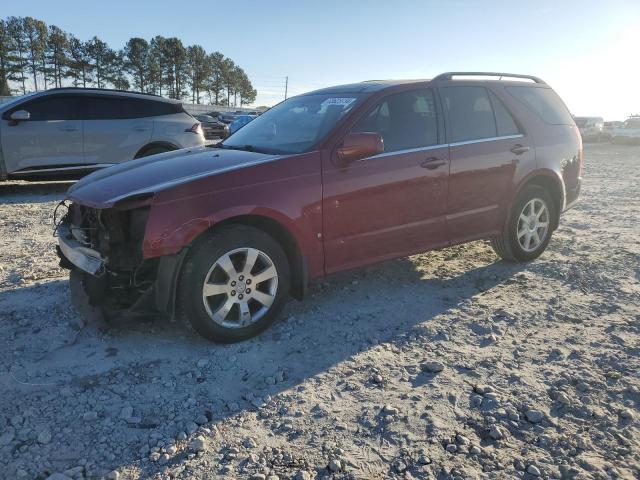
[152,174]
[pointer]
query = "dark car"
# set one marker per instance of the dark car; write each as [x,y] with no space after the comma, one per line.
[212,127]
[227,117]
[323,182]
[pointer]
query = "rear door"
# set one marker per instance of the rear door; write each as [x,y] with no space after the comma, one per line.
[51,138]
[393,203]
[486,145]
[115,127]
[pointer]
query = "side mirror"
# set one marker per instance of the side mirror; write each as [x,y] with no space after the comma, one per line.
[360,145]
[19,116]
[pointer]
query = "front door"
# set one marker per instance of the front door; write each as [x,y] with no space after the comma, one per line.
[486,145]
[394,203]
[50,139]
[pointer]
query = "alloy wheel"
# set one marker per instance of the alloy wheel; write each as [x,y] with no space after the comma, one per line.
[533,225]
[240,287]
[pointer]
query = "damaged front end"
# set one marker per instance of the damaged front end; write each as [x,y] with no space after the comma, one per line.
[105,246]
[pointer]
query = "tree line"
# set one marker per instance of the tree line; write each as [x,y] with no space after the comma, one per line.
[34,55]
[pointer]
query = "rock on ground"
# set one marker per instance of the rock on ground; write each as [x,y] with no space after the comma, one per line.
[449,364]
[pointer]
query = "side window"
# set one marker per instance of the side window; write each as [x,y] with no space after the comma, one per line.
[505,122]
[151,108]
[544,102]
[470,113]
[404,120]
[52,108]
[109,108]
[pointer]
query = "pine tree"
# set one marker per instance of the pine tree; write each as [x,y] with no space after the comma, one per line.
[136,61]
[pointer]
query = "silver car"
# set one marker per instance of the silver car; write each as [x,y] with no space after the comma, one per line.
[591,128]
[75,130]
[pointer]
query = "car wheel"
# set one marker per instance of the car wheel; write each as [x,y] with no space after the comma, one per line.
[528,230]
[233,284]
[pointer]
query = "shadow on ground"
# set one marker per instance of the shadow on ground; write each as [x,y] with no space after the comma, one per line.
[156,365]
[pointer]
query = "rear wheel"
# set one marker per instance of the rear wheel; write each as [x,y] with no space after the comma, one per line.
[528,230]
[153,151]
[233,284]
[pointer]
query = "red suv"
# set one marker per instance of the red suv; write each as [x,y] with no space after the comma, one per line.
[323,182]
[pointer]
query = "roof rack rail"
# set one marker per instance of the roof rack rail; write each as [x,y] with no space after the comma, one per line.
[106,90]
[450,75]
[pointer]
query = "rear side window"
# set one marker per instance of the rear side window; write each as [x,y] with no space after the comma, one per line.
[52,108]
[404,120]
[504,121]
[544,102]
[470,113]
[118,108]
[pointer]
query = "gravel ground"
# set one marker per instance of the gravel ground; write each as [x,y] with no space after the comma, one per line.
[449,364]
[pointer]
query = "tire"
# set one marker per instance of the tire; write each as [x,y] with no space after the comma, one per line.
[152,151]
[513,248]
[231,312]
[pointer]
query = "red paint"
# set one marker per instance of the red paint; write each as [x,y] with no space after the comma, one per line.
[347,215]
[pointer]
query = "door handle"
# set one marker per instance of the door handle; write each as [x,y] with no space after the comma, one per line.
[69,129]
[432,163]
[140,129]
[520,149]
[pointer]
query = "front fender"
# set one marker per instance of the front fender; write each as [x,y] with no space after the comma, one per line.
[160,240]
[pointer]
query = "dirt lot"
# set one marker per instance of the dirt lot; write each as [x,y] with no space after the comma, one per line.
[444,365]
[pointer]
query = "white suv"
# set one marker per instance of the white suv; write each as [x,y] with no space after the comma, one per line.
[75,130]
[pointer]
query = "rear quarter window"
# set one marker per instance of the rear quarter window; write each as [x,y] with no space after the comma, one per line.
[544,102]
[120,108]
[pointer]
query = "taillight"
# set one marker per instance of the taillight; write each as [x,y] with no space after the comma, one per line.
[196,128]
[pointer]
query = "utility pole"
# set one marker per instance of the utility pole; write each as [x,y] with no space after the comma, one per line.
[286,86]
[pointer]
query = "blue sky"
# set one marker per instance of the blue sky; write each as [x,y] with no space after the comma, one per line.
[587,50]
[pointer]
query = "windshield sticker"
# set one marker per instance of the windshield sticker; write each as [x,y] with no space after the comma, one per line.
[343,102]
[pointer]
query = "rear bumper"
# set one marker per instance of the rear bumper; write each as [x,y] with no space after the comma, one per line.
[81,257]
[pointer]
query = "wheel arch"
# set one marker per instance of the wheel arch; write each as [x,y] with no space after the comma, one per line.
[157,144]
[550,181]
[283,235]
[272,227]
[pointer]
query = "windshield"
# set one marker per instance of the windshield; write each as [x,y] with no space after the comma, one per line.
[294,125]
[632,123]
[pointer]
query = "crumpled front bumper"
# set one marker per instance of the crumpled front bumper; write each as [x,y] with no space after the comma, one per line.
[84,258]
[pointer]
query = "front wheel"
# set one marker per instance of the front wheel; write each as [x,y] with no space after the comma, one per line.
[528,230]
[233,284]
